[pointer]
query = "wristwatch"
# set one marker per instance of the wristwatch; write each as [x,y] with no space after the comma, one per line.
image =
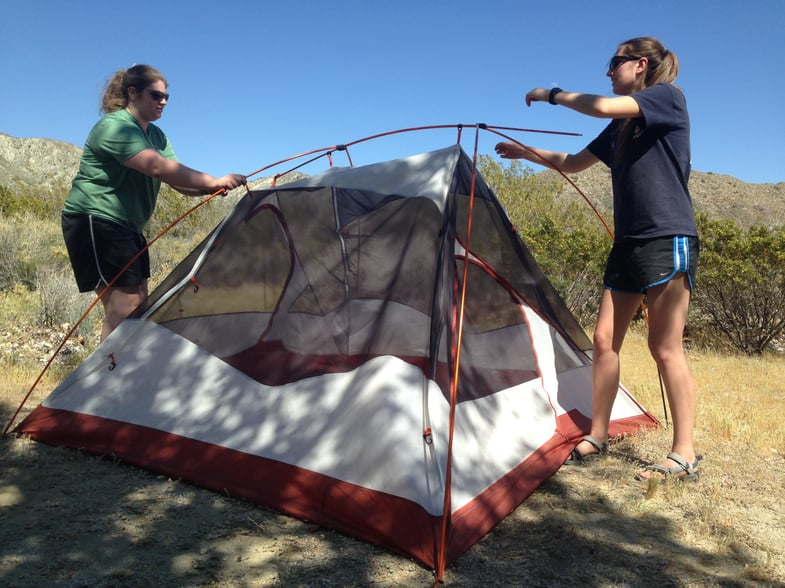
[552,95]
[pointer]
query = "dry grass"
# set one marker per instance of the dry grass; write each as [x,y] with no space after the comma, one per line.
[69,519]
[740,399]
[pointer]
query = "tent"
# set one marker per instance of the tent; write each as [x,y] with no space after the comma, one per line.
[371,348]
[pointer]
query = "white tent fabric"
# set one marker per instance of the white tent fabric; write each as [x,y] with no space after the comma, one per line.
[305,357]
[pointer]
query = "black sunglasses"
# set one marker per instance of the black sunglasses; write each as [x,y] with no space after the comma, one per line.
[158,96]
[617,60]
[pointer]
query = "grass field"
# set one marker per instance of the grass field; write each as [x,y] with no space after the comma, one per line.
[69,519]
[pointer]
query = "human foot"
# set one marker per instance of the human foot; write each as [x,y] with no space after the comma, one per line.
[593,449]
[683,471]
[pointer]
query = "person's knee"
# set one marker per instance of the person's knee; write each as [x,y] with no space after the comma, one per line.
[120,302]
[665,353]
[602,341]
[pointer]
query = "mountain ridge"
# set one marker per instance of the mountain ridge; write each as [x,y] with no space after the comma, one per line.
[720,196]
[49,165]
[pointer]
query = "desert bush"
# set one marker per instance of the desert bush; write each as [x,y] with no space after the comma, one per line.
[30,248]
[60,303]
[11,272]
[34,269]
[24,200]
[740,295]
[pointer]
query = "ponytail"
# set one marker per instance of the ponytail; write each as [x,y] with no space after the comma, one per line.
[663,66]
[116,92]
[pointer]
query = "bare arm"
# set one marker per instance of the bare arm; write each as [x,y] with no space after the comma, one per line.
[182,178]
[566,162]
[589,104]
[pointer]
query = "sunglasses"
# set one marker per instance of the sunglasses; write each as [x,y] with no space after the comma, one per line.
[158,96]
[617,60]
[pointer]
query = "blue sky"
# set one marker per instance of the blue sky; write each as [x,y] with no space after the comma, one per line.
[254,81]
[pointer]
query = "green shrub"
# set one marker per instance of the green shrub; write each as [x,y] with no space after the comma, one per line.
[24,200]
[30,250]
[10,252]
[740,294]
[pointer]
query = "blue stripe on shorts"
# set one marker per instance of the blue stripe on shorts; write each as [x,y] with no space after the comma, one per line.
[681,261]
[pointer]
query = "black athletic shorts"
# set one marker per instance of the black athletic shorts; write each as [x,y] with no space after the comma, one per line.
[635,265]
[99,250]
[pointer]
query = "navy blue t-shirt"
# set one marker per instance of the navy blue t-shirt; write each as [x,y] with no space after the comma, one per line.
[650,175]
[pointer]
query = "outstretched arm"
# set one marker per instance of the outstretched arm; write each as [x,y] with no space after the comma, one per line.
[568,163]
[589,104]
[182,178]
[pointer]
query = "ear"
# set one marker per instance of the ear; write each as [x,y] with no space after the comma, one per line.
[642,65]
[133,93]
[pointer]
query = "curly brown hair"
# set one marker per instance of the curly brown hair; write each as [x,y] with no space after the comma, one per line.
[137,76]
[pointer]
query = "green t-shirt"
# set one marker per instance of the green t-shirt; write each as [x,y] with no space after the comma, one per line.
[106,188]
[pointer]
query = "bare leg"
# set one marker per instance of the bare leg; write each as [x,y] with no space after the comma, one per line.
[668,306]
[118,303]
[616,312]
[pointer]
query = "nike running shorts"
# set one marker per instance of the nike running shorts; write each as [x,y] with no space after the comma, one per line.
[635,265]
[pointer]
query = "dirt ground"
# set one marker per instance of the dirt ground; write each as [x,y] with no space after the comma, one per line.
[73,520]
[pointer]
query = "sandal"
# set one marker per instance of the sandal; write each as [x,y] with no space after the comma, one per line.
[578,458]
[683,472]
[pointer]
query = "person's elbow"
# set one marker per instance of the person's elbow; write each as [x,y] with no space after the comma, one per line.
[578,162]
[160,169]
[618,107]
[150,163]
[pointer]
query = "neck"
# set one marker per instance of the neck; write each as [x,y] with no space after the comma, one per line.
[135,113]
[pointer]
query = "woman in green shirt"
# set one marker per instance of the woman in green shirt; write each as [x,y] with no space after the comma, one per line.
[113,195]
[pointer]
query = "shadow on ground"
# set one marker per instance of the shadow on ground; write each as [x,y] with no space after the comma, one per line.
[70,519]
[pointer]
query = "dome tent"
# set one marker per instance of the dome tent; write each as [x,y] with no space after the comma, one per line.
[373,349]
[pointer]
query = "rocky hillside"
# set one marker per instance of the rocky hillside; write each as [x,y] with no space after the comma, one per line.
[720,196]
[45,164]
[40,163]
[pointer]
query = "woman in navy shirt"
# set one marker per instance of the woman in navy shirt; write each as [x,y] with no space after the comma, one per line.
[655,249]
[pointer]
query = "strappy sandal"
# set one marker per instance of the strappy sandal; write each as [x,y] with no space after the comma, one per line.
[578,458]
[683,472]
